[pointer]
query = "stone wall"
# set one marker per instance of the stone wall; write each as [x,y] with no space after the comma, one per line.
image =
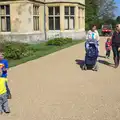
[25,38]
[40,37]
[71,34]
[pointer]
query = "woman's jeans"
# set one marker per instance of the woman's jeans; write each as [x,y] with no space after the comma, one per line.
[116,54]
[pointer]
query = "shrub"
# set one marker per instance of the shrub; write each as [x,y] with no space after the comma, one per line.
[59,41]
[50,42]
[1,47]
[16,50]
[69,40]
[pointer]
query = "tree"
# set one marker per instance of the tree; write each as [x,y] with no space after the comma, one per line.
[118,19]
[106,8]
[91,12]
[97,10]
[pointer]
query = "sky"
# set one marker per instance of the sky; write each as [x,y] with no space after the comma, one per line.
[117,12]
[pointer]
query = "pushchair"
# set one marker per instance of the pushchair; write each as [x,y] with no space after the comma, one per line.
[91,47]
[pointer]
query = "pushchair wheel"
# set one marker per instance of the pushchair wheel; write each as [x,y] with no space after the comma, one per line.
[95,68]
[84,67]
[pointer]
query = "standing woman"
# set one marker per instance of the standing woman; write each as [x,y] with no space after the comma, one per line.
[93,33]
[116,45]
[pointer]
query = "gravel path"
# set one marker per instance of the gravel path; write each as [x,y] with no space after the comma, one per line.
[55,88]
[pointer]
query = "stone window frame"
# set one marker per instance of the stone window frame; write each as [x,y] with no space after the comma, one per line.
[82,15]
[36,17]
[5,20]
[79,17]
[69,16]
[54,16]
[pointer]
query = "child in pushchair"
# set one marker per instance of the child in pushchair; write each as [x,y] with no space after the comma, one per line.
[91,47]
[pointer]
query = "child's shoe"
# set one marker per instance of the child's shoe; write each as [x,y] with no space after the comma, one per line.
[9,96]
[7,112]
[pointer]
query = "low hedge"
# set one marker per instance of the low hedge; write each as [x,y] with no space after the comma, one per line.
[17,50]
[59,41]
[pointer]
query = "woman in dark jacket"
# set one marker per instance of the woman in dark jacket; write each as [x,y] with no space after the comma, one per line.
[116,45]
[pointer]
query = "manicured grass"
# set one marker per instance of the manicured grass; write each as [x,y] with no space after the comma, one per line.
[42,50]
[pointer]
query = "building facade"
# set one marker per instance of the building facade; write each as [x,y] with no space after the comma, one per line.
[39,20]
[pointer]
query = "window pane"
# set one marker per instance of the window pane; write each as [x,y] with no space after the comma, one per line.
[79,22]
[7,10]
[66,10]
[57,10]
[2,9]
[8,23]
[72,23]
[37,23]
[34,23]
[3,24]
[57,23]
[72,10]
[82,12]
[66,23]
[51,23]
[37,10]
[79,11]
[33,10]
[50,10]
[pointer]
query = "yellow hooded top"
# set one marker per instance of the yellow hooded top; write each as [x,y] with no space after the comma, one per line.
[2,85]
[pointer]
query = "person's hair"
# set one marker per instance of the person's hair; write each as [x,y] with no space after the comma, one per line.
[108,38]
[1,52]
[92,26]
[117,24]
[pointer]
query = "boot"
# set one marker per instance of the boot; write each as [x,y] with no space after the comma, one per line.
[116,62]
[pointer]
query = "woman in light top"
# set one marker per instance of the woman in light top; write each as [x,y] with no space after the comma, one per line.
[93,34]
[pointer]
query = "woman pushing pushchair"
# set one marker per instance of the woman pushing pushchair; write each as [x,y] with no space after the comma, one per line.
[93,34]
[92,49]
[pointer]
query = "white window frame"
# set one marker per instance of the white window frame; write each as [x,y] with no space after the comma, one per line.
[36,17]
[69,16]
[54,16]
[5,15]
[83,16]
[79,17]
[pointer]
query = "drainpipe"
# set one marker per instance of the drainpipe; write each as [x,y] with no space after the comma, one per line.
[45,20]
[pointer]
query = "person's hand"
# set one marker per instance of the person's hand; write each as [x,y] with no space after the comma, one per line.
[0,72]
[119,49]
[4,69]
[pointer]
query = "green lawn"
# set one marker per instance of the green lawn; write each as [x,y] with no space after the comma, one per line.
[42,50]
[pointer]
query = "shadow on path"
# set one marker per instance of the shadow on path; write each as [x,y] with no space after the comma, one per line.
[80,62]
[101,56]
[106,63]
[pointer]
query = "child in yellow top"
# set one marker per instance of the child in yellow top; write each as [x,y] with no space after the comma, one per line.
[2,85]
[3,96]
